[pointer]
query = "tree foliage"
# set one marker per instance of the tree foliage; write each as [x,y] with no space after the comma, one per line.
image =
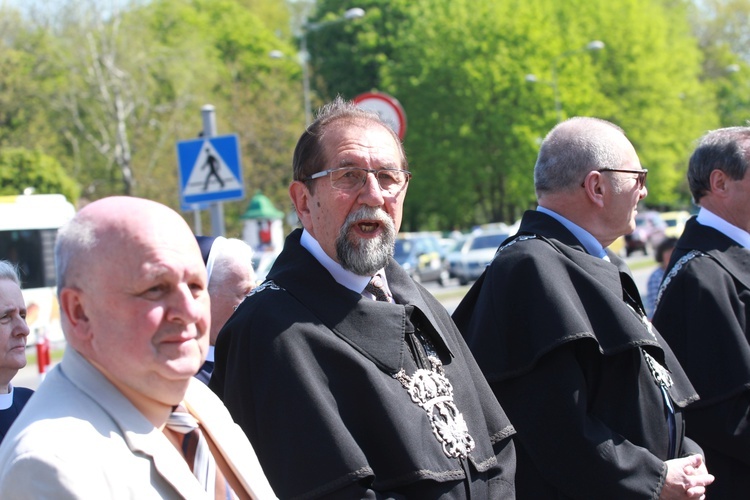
[21,169]
[108,88]
[475,122]
[121,83]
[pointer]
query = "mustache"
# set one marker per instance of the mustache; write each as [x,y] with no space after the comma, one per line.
[369,213]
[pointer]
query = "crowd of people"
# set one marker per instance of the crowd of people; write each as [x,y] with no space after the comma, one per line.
[340,377]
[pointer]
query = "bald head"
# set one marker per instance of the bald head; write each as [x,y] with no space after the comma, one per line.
[588,172]
[117,222]
[134,300]
[575,147]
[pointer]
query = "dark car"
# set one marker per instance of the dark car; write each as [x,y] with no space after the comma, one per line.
[649,232]
[421,257]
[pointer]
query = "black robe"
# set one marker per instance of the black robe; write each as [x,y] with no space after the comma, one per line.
[21,396]
[552,330]
[305,366]
[704,312]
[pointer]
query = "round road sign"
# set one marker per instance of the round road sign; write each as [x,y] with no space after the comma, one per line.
[387,107]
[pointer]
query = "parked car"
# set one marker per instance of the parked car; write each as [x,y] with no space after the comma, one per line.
[649,232]
[675,222]
[618,246]
[421,257]
[471,255]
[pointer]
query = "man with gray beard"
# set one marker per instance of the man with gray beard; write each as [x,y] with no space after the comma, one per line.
[351,380]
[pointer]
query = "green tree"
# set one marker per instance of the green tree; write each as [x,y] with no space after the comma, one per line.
[723,34]
[459,69]
[24,80]
[21,169]
[118,87]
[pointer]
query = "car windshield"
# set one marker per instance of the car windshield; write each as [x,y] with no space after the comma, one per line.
[488,241]
[671,222]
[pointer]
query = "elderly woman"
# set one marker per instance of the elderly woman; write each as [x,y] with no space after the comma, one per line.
[13,333]
[229,266]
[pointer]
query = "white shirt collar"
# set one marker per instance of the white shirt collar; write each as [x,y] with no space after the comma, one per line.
[588,241]
[210,353]
[6,400]
[343,277]
[710,219]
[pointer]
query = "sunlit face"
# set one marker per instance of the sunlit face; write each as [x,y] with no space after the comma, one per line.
[148,310]
[13,329]
[229,293]
[354,145]
[738,201]
[625,194]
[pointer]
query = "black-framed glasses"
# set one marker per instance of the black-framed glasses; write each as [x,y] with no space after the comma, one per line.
[390,180]
[641,174]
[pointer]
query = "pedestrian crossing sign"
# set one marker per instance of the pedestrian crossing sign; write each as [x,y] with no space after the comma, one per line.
[210,170]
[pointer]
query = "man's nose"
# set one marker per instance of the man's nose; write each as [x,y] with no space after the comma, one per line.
[186,307]
[21,328]
[371,193]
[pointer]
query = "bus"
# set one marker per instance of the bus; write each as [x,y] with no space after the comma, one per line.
[28,227]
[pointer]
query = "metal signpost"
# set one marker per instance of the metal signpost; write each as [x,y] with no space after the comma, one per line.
[210,171]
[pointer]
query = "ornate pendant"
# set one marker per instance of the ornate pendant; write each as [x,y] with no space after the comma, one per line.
[661,375]
[432,390]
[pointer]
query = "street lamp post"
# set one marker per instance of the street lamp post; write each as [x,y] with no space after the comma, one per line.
[301,28]
[593,45]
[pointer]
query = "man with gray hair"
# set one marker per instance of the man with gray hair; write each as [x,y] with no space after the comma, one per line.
[703,306]
[350,379]
[558,327]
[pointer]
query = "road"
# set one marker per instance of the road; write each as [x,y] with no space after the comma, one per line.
[449,296]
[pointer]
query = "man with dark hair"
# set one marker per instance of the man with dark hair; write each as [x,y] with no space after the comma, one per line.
[350,379]
[558,327]
[703,308]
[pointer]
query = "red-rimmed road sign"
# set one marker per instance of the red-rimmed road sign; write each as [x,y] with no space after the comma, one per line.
[388,107]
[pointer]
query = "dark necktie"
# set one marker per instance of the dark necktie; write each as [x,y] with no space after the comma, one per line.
[195,449]
[377,289]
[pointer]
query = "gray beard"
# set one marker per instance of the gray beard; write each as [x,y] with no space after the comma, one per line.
[366,257]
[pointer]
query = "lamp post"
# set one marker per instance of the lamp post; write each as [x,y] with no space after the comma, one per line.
[531,78]
[301,10]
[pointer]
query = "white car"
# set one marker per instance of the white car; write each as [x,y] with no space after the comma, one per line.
[468,260]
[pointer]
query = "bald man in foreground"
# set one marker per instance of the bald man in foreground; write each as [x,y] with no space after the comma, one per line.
[135,312]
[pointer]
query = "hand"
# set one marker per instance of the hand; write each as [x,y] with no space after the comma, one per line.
[686,478]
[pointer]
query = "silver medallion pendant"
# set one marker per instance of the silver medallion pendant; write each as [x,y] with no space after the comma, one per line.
[660,373]
[432,390]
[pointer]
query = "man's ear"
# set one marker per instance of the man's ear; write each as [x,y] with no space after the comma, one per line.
[73,311]
[300,195]
[595,188]
[717,181]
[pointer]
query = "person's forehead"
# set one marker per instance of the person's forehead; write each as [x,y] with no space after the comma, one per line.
[151,246]
[10,293]
[368,138]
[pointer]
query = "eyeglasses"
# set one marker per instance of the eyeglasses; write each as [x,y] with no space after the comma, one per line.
[390,180]
[641,174]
